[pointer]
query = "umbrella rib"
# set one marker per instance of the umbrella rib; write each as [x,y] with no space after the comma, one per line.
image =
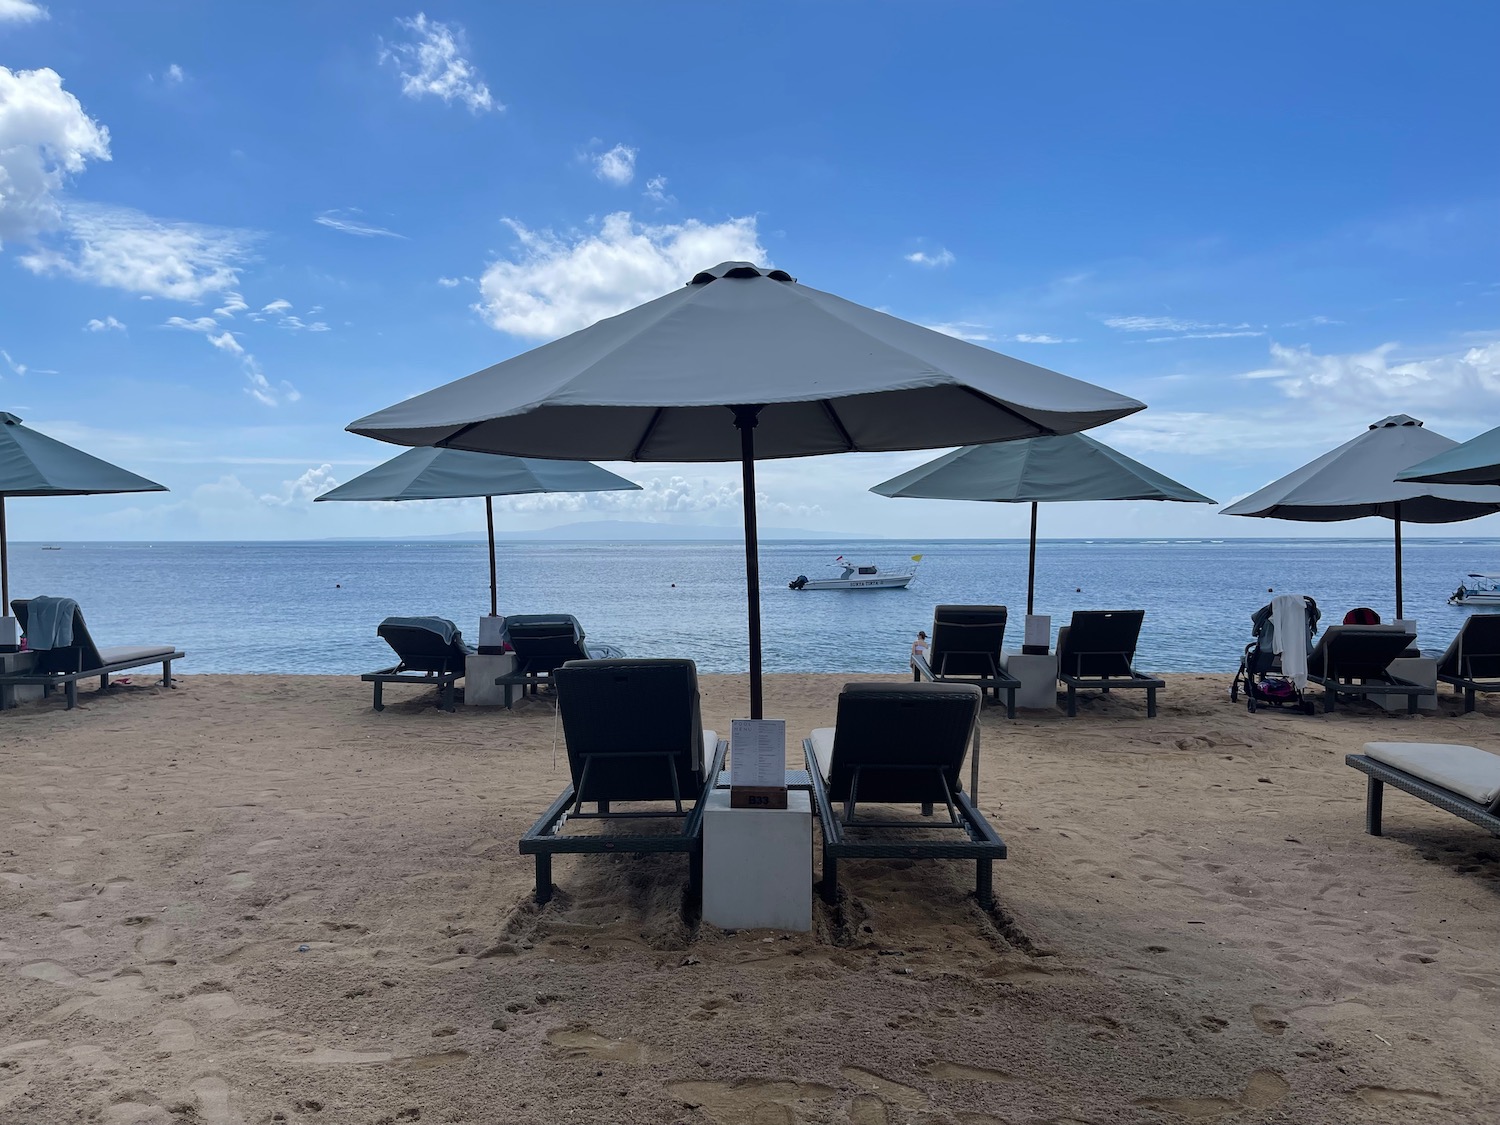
[635,454]
[1041,431]
[833,416]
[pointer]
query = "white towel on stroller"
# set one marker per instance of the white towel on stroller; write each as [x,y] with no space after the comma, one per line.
[1289,636]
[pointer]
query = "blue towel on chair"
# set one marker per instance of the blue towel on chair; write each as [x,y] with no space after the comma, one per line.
[49,623]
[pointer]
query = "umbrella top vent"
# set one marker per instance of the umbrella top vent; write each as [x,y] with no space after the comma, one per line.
[9,419]
[1395,420]
[739,270]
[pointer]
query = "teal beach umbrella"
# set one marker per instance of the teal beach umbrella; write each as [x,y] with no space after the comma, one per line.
[449,474]
[1476,461]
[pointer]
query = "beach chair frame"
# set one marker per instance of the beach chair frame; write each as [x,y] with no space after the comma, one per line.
[1468,671]
[956,658]
[1353,661]
[1380,774]
[1107,662]
[425,660]
[541,644]
[82,660]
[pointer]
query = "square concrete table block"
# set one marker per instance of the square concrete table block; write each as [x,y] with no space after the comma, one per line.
[758,864]
[18,663]
[1419,670]
[1038,676]
[480,673]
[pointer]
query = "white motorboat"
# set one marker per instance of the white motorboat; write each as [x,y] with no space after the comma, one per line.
[858,576]
[1477,589]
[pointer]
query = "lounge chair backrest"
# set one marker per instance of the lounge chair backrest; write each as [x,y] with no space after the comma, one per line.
[1099,642]
[1358,651]
[1475,651]
[967,639]
[421,649]
[634,723]
[895,734]
[81,656]
[545,641]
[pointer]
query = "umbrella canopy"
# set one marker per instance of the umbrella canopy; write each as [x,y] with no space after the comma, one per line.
[447,474]
[32,464]
[798,371]
[1476,461]
[1068,467]
[1359,479]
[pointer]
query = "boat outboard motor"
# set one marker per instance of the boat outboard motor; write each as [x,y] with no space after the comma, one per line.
[798,582]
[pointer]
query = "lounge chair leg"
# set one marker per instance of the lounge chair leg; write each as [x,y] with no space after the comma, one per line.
[166,673]
[104,681]
[984,883]
[603,808]
[448,704]
[1150,703]
[1010,703]
[1072,702]
[72,694]
[543,878]
[1374,797]
[695,876]
[1411,704]
[926,808]
[829,887]
[1329,700]
[379,696]
[1468,700]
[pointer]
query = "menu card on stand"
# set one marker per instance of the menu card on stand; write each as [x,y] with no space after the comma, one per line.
[757,763]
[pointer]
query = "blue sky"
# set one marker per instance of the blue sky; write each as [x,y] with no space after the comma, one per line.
[226,232]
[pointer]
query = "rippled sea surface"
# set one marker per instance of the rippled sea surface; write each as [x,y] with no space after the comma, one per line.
[313,607]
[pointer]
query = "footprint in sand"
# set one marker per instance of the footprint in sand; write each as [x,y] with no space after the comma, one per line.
[902,1095]
[51,972]
[239,881]
[213,1097]
[174,1036]
[1264,1089]
[264,846]
[155,942]
[753,1101]
[958,1072]
[580,1042]
[866,1109]
[1268,1019]
[1390,1096]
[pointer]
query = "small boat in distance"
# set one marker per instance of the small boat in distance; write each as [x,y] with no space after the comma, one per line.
[52,548]
[858,576]
[1477,589]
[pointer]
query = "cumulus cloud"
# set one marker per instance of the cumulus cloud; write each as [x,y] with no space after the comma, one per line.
[560,283]
[21,11]
[1378,379]
[940,258]
[108,324]
[45,137]
[125,249]
[349,222]
[433,62]
[310,484]
[617,166]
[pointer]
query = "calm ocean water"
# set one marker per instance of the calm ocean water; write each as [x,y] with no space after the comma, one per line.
[313,607]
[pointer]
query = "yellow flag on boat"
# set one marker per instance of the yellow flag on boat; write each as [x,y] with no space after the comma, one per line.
[916,558]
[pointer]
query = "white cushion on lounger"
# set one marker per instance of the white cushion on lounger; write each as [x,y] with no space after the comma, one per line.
[1466,770]
[822,746]
[120,654]
[706,755]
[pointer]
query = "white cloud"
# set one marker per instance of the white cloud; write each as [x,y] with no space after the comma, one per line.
[563,283]
[129,250]
[617,166]
[1461,381]
[962,330]
[45,137]
[233,303]
[280,310]
[174,75]
[940,258]
[1311,322]
[1165,324]
[260,388]
[197,324]
[1039,338]
[433,61]
[281,304]
[226,342]
[349,222]
[1203,336]
[108,324]
[310,484]
[656,191]
[674,495]
[449,282]
[15,368]
[21,11]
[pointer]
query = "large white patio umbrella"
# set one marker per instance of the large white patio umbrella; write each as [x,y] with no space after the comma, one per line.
[449,474]
[1069,467]
[1359,479]
[1476,461]
[33,464]
[797,372]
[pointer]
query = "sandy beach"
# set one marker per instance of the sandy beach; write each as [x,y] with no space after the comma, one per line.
[253,899]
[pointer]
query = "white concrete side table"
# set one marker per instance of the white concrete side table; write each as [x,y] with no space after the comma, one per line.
[1038,676]
[480,673]
[1419,670]
[18,663]
[758,864]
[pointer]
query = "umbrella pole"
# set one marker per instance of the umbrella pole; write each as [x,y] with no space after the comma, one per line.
[1398,560]
[489,520]
[745,419]
[4,566]
[1031,567]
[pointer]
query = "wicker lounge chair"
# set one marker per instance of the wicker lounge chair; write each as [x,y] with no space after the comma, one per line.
[542,643]
[1354,661]
[1472,662]
[1463,780]
[432,652]
[83,660]
[966,648]
[1097,652]
[901,744]
[633,734]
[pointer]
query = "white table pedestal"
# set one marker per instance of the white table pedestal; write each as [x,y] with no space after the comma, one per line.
[1038,676]
[1419,670]
[480,672]
[758,864]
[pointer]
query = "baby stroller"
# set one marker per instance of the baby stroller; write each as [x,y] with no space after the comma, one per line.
[1260,667]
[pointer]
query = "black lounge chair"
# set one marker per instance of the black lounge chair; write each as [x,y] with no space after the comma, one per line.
[543,643]
[1463,780]
[1472,662]
[633,734]
[1354,662]
[966,648]
[901,744]
[83,659]
[432,652]
[1097,652]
